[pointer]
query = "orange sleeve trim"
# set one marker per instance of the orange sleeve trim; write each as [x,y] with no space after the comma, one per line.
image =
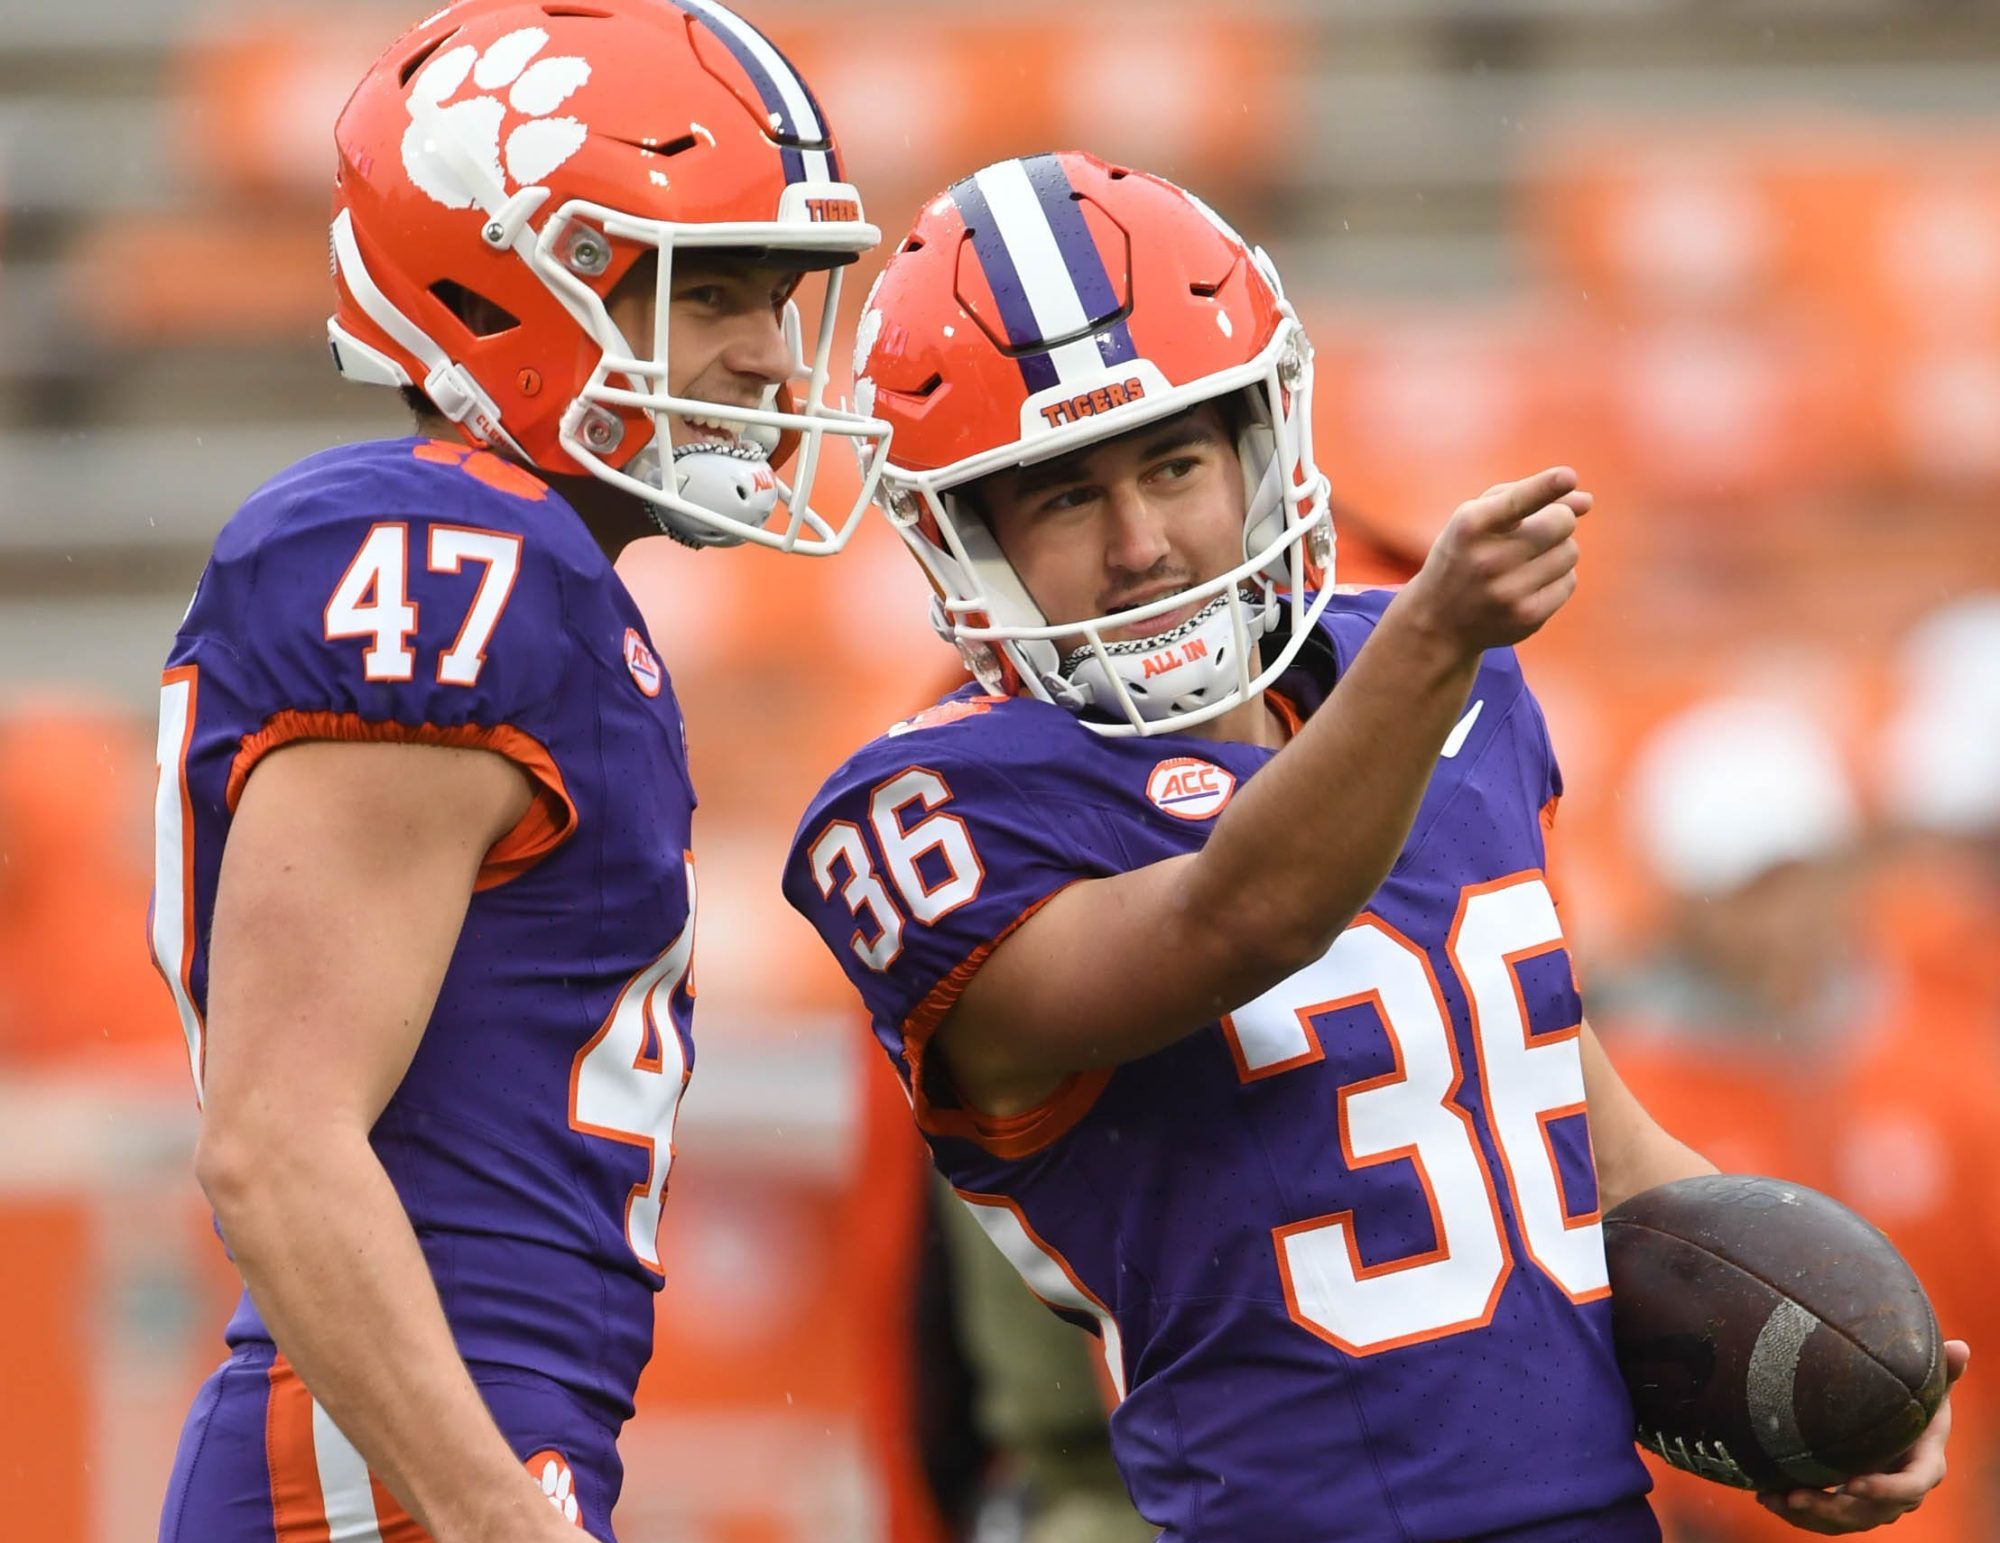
[1549,850]
[1287,711]
[1551,878]
[551,815]
[1010,1136]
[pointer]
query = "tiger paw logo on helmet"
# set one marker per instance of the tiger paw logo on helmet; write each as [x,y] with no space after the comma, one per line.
[532,148]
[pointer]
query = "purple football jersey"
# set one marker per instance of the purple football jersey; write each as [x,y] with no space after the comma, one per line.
[1341,1246]
[408,590]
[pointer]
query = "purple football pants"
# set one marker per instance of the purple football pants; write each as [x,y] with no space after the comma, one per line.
[260,1461]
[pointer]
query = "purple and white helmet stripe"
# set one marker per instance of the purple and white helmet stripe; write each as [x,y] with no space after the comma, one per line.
[1038,372]
[1080,255]
[794,110]
[1045,271]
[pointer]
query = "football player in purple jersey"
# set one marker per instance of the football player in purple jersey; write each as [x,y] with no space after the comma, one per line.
[1210,929]
[424,896]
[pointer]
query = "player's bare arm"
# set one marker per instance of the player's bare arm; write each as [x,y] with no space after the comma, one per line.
[344,884]
[1631,1149]
[1113,969]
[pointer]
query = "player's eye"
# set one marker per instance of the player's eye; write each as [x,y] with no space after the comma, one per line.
[1067,499]
[1179,467]
[710,297]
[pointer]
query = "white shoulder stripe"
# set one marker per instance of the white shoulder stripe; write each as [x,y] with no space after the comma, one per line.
[1048,1276]
[173,928]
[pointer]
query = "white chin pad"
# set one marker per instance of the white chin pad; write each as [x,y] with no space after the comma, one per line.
[737,483]
[1181,670]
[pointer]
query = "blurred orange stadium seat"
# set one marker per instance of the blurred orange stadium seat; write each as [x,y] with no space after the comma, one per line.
[258,93]
[48,1418]
[200,276]
[1175,95]
[1661,216]
[1725,413]
[1877,244]
[1935,411]
[1416,411]
[76,986]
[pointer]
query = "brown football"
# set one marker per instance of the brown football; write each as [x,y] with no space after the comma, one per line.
[1770,1337]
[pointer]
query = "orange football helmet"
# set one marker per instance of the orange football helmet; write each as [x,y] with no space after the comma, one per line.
[528,154]
[1041,305]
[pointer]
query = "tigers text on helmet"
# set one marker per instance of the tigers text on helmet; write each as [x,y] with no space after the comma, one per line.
[526,156]
[1042,305]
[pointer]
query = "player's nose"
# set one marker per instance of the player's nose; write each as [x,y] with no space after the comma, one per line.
[759,347]
[1136,538]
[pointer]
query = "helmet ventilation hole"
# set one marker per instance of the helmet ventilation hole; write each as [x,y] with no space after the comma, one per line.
[416,60]
[481,317]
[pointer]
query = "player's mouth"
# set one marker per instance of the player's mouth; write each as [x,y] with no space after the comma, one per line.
[710,434]
[1152,626]
[1145,637]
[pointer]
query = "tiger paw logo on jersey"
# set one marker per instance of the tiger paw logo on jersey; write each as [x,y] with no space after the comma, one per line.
[946,712]
[1189,788]
[643,663]
[484,466]
[552,1470]
[531,149]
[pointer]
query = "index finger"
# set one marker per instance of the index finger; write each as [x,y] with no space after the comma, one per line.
[1511,502]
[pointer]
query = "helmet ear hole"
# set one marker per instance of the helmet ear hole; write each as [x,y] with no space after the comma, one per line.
[481,317]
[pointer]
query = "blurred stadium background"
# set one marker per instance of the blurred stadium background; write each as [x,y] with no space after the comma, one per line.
[1737,262]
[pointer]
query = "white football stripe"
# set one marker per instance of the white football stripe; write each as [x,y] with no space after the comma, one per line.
[1047,1277]
[798,105]
[172,938]
[1771,1384]
[1038,260]
[343,1484]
